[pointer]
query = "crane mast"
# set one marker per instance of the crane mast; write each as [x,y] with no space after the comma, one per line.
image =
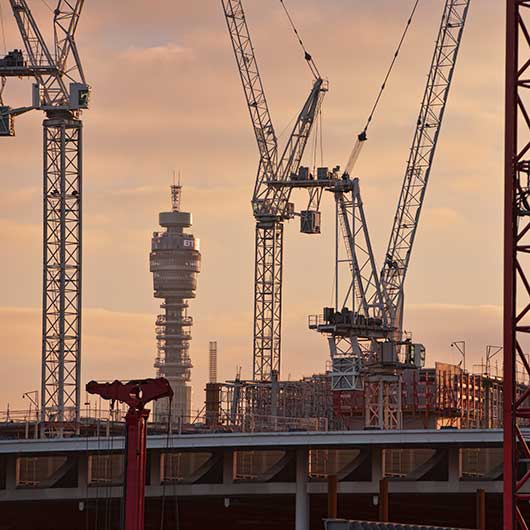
[271,198]
[61,92]
[421,157]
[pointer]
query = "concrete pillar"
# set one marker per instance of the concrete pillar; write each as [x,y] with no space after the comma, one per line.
[383,500]
[378,467]
[481,509]
[11,472]
[82,474]
[155,469]
[302,497]
[228,466]
[455,465]
[332,496]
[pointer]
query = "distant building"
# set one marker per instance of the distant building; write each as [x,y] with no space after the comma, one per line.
[175,261]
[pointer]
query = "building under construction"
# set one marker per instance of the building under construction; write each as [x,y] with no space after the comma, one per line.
[377,414]
[445,396]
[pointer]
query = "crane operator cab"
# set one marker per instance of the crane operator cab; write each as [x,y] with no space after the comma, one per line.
[79,96]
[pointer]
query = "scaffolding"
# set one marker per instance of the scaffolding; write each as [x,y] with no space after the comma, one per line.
[445,396]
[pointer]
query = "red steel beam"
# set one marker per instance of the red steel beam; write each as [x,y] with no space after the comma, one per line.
[516,258]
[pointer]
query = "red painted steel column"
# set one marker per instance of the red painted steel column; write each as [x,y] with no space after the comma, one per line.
[383,500]
[136,464]
[332,496]
[516,264]
[509,265]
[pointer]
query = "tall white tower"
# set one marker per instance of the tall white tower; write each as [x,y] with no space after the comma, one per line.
[175,261]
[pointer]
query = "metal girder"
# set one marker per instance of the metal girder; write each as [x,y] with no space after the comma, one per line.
[65,24]
[421,156]
[516,263]
[254,93]
[382,396]
[364,289]
[61,318]
[268,300]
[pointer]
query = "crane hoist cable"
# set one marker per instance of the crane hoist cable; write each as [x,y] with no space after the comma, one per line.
[362,136]
[48,6]
[307,56]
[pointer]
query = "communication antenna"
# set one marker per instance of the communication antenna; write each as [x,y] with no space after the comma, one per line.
[176,193]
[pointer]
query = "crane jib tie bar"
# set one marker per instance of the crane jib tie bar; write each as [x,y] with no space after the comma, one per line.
[390,68]
[307,56]
[362,136]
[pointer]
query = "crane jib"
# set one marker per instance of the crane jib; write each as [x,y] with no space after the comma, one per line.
[421,156]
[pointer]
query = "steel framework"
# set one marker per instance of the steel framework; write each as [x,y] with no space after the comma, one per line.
[268,300]
[516,261]
[60,90]
[421,157]
[272,191]
[61,315]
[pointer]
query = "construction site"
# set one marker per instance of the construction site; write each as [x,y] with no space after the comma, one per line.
[379,437]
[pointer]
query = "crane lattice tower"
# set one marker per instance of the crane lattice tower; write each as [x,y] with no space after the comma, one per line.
[59,90]
[175,261]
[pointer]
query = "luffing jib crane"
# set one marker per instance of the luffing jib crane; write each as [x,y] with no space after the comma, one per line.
[368,338]
[60,90]
[271,199]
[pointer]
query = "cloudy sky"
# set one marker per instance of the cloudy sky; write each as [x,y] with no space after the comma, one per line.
[166,95]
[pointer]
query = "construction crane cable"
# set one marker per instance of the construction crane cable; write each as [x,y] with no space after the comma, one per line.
[307,56]
[391,67]
[47,5]
[362,137]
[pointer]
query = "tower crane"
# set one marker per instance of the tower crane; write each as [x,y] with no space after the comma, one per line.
[276,178]
[60,90]
[368,339]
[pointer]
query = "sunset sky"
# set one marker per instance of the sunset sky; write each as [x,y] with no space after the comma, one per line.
[167,96]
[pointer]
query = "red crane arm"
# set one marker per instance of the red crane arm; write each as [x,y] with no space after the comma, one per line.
[136,393]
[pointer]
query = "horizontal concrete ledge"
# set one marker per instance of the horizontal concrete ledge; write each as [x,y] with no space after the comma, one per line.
[268,440]
[245,489]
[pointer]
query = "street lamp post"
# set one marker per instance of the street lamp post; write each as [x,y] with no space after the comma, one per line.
[460,346]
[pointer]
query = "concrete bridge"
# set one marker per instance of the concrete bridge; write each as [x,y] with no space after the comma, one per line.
[240,464]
